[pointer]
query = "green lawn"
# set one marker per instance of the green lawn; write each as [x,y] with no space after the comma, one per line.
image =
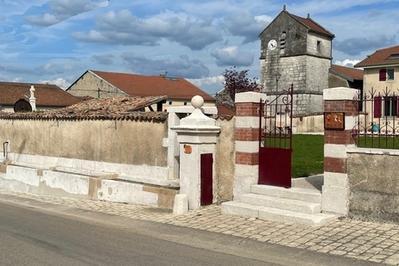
[378,142]
[308,155]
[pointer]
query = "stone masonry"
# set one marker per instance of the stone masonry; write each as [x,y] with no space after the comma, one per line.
[335,196]
[246,141]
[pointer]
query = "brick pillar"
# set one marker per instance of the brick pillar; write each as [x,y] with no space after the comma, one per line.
[335,194]
[246,141]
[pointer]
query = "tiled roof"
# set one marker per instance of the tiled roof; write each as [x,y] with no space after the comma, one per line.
[386,56]
[140,85]
[312,25]
[349,73]
[46,94]
[117,108]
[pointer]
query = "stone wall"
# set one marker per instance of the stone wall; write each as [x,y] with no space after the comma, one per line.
[317,74]
[93,86]
[224,161]
[374,184]
[324,48]
[308,124]
[113,141]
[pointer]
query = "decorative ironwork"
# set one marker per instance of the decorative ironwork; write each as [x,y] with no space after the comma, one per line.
[377,122]
[275,119]
[275,140]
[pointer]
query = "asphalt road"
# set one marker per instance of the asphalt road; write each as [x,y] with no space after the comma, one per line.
[33,233]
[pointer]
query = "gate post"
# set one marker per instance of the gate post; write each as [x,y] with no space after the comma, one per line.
[246,141]
[335,193]
[197,135]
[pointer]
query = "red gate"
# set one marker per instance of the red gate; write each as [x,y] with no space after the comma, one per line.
[275,140]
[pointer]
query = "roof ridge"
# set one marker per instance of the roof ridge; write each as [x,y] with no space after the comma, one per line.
[386,48]
[138,74]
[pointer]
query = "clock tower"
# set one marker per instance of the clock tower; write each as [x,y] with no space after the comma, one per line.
[298,51]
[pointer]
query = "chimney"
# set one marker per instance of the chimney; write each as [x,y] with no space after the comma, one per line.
[32,98]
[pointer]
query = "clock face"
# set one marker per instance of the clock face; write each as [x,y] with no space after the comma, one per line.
[272,45]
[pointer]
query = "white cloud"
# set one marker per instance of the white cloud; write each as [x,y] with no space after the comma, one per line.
[177,67]
[232,56]
[219,80]
[347,62]
[60,82]
[60,10]
[122,27]
[245,25]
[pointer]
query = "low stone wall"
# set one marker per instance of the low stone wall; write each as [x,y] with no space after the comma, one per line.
[224,160]
[308,124]
[374,183]
[106,187]
[114,141]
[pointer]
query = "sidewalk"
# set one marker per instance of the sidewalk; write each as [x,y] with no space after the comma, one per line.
[374,242]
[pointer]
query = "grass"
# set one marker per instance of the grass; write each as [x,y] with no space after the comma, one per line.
[381,142]
[308,155]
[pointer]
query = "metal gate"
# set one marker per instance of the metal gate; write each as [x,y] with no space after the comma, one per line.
[275,140]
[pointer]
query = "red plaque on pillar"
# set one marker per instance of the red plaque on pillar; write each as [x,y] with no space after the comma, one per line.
[334,121]
[188,149]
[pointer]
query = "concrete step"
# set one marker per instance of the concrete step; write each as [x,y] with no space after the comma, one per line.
[303,194]
[281,203]
[273,214]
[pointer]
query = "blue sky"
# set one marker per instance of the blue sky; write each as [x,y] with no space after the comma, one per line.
[57,40]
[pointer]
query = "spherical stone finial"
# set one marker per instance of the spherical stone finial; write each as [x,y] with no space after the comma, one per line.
[197,101]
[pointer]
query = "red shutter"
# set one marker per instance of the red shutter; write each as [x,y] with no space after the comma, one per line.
[383,74]
[377,107]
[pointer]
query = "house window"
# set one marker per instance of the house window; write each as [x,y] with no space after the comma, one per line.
[318,46]
[170,102]
[185,103]
[390,74]
[383,74]
[390,106]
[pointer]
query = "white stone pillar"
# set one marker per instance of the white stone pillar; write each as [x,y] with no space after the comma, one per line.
[196,134]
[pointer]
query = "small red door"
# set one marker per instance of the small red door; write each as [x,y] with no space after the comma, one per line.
[206,179]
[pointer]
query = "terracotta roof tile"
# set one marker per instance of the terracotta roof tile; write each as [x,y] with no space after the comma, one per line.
[46,94]
[312,25]
[117,108]
[347,72]
[140,85]
[385,56]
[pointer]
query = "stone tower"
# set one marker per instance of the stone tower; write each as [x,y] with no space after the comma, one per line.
[298,51]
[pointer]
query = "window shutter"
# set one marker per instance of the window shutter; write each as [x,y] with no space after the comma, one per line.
[377,107]
[383,74]
[397,105]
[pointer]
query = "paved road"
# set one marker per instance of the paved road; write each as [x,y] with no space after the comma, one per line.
[49,235]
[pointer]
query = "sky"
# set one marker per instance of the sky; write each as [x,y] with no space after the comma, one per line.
[56,41]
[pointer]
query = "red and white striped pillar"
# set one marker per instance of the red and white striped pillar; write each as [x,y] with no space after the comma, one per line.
[335,193]
[246,140]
